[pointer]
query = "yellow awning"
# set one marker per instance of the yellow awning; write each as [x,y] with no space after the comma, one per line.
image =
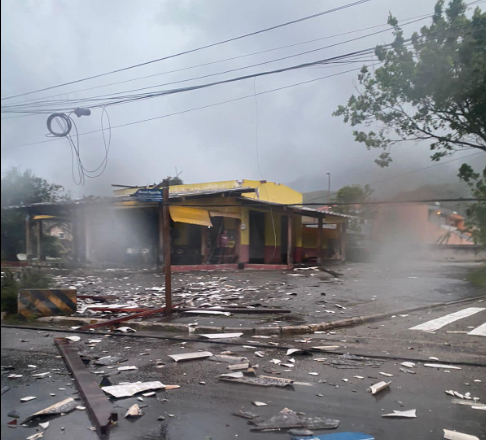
[44,217]
[190,215]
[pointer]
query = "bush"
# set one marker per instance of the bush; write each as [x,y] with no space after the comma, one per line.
[29,279]
[10,290]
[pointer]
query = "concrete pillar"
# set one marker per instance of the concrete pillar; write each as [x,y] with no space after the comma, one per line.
[204,245]
[343,241]
[28,237]
[39,240]
[290,242]
[319,240]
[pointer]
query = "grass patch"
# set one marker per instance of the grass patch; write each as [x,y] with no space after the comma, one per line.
[478,277]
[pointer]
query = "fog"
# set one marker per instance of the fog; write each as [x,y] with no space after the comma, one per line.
[289,135]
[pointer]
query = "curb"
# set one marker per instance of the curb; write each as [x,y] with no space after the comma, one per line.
[287,330]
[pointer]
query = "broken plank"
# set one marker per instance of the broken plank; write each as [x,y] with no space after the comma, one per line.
[116,321]
[99,407]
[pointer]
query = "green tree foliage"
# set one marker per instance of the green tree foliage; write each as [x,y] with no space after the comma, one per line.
[355,194]
[18,189]
[431,87]
[476,213]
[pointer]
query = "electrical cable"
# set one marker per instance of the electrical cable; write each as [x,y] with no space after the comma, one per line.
[197,108]
[418,18]
[45,102]
[319,14]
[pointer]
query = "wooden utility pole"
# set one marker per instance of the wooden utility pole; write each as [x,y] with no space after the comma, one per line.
[166,241]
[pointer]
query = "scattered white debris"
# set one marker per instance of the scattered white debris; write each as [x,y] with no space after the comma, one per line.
[28,399]
[256,403]
[386,374]
[408,364]
[130,389]
[41,375]
[409,414]
[125,330]
[380,386]
[134,411]
[127,368]
[453,435]
[312,373]
[449,367]
[36,436]
[73,338]
[259,354]
[358,377]
[190,356]
[221,335]
[44,426]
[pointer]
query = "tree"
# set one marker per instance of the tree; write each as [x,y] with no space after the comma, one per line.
[19,189]
[431,87]
[355,194]
[476,213]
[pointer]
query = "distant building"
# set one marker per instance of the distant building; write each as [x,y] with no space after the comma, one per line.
[416,223]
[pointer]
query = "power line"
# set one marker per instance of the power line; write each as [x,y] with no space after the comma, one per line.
[198,108]
[309,17]
[416,18]
[150,95]
[43,101]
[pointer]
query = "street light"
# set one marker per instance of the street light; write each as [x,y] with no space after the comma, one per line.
[329,188]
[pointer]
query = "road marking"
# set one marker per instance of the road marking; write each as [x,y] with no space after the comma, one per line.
[436,324]
[479,331]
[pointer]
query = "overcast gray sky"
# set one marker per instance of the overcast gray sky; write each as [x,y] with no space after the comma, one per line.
[47,42]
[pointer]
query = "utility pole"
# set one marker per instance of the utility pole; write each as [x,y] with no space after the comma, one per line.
[166,241]
[329,188]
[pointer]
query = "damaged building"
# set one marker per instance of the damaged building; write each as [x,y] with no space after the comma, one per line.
[229,224]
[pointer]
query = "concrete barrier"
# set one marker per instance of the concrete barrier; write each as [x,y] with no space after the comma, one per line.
[46,302]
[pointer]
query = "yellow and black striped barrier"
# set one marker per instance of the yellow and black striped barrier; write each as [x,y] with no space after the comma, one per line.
[46,302]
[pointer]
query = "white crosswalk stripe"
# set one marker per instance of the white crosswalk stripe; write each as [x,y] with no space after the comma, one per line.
[436,324]
[479,331]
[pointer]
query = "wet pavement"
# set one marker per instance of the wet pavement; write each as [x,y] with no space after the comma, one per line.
[204,411]
[312,296]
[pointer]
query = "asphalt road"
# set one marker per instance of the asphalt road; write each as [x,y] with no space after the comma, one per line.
[204,411]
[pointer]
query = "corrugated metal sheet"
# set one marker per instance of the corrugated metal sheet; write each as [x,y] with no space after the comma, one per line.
[193,216]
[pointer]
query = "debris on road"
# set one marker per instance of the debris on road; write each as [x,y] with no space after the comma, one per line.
[99,407]
[73,338]
[453,435]
[380,386]
[409,414]
[448,367]
[408,364]
[288,419]
[27,399]
[221,335]
[63,407]
[302,432]
[262,381]
[339,436]
[190,356]
[386,374]
[129,390]
[44,426]
[242,366]
[134,411]
[36,436]
[256,403]
[127,368]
